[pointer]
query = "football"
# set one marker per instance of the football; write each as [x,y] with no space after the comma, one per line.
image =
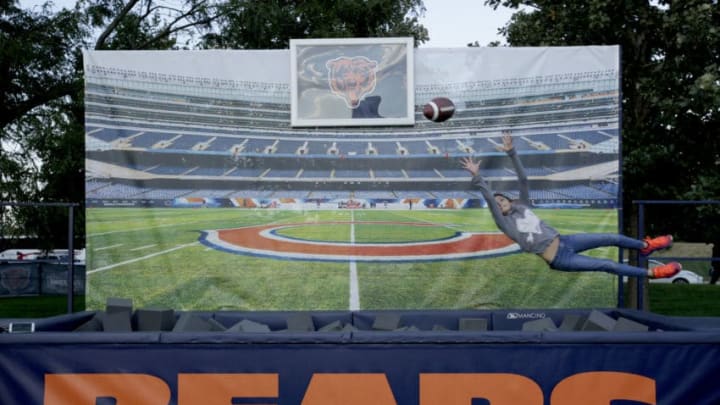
[439,109]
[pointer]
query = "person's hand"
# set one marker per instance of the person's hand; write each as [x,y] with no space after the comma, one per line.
[507,141]
[470,165]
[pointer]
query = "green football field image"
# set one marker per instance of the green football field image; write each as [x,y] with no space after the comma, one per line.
[165,257]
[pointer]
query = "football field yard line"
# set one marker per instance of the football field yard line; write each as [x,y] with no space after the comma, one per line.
[137,259]
[354,287]
[107,247]
[412,218]
[144,247]
[140,229]
[449,225]
[354,290]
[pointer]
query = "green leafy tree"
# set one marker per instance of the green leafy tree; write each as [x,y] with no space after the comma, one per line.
[258,24]
[149,24]
[38,54]
[37,51]
[41,93]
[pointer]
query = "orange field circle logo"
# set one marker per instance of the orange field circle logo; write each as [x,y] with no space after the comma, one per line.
[267,241]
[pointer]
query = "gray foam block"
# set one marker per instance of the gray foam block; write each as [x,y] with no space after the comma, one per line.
[476,324]
[334,326]
[95,324]
[572,322]
[598,321]
[188,322]
[300,322]
[247,325]
[539,325]
[116,322]
[155,319]
[387,321]
[628,325]
[216,326]
[113,304]
[349,328]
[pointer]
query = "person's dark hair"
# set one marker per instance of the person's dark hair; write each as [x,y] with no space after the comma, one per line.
[505,196]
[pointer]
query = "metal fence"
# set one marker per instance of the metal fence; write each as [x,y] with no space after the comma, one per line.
[642,206]
[70,237]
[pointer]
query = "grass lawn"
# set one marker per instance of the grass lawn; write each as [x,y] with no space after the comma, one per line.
[38,307]
[685,299]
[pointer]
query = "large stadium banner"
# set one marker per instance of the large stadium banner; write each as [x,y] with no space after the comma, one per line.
[203,195]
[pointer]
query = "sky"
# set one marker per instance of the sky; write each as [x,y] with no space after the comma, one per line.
[451,23]
[455,23]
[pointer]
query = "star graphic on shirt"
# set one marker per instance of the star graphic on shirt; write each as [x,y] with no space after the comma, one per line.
[529,224]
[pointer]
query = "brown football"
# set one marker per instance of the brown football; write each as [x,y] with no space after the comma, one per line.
[439,109]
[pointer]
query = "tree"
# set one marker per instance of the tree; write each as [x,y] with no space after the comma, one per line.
[37,75]
[149,24]
[41,88]
[258,24]
[37,51]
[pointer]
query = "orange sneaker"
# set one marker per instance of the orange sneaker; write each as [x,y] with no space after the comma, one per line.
[666,270]
[659,243]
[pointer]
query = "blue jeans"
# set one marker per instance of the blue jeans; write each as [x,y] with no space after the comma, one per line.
[568,259]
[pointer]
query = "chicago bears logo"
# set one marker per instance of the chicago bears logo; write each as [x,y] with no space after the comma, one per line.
[352,78]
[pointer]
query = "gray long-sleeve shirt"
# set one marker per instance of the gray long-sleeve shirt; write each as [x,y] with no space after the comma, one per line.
[520,224]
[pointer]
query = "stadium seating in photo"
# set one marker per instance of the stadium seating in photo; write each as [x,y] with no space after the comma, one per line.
[120,102]
[282,143]
[168,144]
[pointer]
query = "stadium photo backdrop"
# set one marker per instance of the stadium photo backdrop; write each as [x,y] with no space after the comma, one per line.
[202,195]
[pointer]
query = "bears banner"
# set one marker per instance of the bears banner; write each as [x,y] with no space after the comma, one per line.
[154,374]
[669,363]
[309,178]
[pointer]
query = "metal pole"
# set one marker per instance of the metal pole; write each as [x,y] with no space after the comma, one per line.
[71,262]
[641,260]
[621,181]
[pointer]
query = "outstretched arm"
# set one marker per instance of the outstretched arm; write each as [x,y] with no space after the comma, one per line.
[509,148]
[474,168]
